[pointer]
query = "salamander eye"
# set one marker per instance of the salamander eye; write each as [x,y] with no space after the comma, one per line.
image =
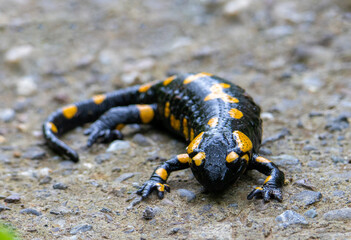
[199,158]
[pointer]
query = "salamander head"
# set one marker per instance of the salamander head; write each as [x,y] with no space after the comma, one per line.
[216,160]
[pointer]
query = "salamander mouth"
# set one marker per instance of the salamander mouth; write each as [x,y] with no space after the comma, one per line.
[215,188]
[215,179]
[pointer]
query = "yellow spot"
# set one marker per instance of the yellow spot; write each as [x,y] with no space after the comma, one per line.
[235,113]
[120,126]
[224,85]
[69,111]
[246,158]
[231,157]
[145,87]
[168,80]
[262,160]
[198,158]
[183,158]
[244,143]
[162,173]
[98,99]
[53,127]
[217,92]
[167,110]
[267,179]
[146,113]
[192,134]
[160,187]
[195,143]
[213,122]
[196,76]
[185,128]
[175,123]
[259,188]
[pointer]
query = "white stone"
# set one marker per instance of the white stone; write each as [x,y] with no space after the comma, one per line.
[26,86]
[17,54]
[233,8]
[7,114]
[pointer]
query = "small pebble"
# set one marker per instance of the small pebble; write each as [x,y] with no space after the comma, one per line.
[265,151]
[205,208]
[312,213]
[267,116]
[3,208]
[60,186]
[26,86]
[339,193]
[116,169]
[2,139]
[106,210]
[99,159]
[340,138]
[290,217]
[312,83]
[233,205]
[309,148]
[338,124]
[61,98]
[30,211]
[235,7]
[130,78]
[307,197]
[17,54]
[80,229]
[4,158]
[14,198]
[337,159]
[7,115]
[284,132]
[118,145]
[342,214]
[124,177]
[34,153]
[315,114]
[94,183]
[60,211]
[141,140]
[45,180]
[314,164]
[84,61]
[285,160]
[148,213]
[188,195]
[173,231]
[305,184]
[129,229]
[21,105]
[279,31]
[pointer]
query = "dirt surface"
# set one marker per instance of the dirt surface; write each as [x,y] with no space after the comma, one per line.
[293,57]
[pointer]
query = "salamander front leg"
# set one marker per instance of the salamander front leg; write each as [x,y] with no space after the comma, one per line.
[159,177]
[273,183]
[108,126]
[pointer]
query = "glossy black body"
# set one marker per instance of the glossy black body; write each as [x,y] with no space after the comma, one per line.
[184,104]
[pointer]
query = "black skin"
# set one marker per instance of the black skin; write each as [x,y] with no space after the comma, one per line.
[184,104]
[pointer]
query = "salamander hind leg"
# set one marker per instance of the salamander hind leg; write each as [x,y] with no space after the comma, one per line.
[107,127]
[271,188]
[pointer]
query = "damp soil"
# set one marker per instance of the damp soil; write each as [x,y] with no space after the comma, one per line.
[292,57]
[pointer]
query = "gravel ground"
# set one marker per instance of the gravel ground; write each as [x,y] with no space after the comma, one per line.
[293,57]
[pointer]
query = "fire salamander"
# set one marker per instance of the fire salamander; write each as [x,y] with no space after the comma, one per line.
[218,119]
